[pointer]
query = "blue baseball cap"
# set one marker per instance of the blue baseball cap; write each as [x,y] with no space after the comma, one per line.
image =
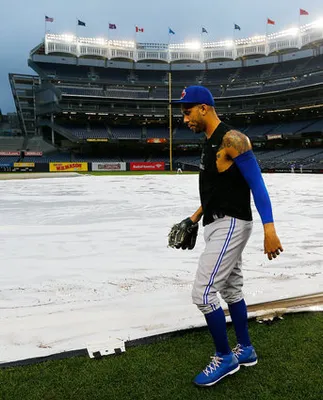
[196,95]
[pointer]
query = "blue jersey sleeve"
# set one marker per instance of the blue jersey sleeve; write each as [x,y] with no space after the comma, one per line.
[249,168]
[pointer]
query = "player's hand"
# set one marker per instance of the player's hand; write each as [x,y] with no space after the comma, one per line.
[272,245]
[183,235]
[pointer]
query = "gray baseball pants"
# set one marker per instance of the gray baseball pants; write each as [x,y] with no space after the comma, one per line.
[219,269]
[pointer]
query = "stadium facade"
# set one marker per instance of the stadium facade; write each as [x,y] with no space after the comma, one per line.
[109,99]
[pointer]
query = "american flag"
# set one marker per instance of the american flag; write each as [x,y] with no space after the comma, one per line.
[303,12]
[49,19]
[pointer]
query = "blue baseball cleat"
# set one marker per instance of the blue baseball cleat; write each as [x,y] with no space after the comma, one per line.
[246,355]
[219,367]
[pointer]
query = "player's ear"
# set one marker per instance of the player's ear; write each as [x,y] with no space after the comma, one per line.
[203,109]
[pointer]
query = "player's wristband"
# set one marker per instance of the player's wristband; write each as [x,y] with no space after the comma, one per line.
[248,166]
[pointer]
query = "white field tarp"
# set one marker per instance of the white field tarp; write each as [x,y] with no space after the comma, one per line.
[85,259]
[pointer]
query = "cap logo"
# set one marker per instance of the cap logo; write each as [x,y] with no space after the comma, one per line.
[183,94]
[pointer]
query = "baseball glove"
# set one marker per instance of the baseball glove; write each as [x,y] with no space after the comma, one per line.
[183,235]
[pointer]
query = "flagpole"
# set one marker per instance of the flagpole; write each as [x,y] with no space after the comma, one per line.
[170,121]
[45,26]
[299,28]
[266,38]
[201,48]
[135,36]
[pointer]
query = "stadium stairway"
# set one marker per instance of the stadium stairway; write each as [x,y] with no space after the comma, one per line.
[59,129]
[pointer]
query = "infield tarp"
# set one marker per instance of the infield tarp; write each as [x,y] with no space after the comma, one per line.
[85,259]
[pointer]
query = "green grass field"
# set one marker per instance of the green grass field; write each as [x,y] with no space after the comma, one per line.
[135,172]
[290,368]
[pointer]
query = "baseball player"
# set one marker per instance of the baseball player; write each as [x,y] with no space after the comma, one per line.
[229,172]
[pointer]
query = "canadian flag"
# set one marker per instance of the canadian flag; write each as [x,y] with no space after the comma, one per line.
[303,12]
[270,21]
[139,29]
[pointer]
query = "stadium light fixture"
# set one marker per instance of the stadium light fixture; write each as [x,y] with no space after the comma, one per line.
[69,38]
[229,44]
[293,31]
[251,40]
[100,41]
[122,43]
[318,23]
[66,37]
[186,45]
[193,45]
[213,45]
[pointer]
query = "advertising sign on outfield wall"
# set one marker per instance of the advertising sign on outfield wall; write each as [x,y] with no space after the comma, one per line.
[23,164]
[147,166]
[5,167]
[9,153]
[109,166]
[68,166]
[34,153]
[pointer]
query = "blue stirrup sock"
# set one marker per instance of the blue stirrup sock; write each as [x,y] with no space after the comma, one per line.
[238,312]
[218,329]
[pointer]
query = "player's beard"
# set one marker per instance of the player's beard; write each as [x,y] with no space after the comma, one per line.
[196,128]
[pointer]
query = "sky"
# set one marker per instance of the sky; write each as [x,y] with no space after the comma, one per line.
[22,24]
[93,271]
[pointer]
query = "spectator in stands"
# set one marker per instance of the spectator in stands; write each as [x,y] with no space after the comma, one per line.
[228,172]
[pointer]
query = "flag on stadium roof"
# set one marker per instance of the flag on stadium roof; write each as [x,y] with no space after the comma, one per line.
[237,27]
[80,23]
[112,26]
[270,21]
[170,31]
[139,29]
[49,19]
[303,12]
[204,30]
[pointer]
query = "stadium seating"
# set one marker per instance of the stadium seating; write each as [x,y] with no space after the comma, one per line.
[126,133]
[157,132]
[81,91]
[185,134]
[316,126]
[8,143]
[288,158]
[290,128]
[126,102]
[8,159]
[258,130]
